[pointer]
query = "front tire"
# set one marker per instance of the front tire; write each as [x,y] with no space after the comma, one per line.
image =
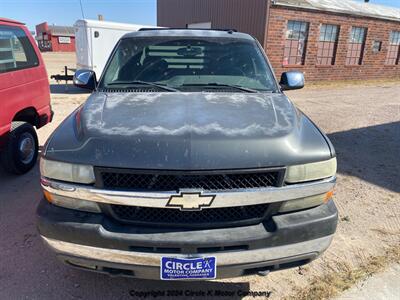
[21,150]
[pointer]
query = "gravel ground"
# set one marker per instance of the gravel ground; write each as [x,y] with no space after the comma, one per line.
[363,123]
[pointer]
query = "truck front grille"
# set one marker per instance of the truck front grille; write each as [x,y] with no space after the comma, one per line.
[199,181]
[210,217]
[123,179]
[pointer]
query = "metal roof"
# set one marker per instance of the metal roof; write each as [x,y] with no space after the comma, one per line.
[347,7]
[61,30]
[188,33]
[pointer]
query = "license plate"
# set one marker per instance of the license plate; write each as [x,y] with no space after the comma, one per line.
[188,268]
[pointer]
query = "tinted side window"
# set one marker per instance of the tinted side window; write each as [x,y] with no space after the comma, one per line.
[16,51]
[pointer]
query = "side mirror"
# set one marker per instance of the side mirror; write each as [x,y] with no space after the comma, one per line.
[293,80]
[85,79]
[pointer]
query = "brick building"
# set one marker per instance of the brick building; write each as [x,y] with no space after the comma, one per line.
[326,39]
[55,38]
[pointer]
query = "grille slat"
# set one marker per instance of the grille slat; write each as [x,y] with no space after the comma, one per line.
[175,217]
[171,182]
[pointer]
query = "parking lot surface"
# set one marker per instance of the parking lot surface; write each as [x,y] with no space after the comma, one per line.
[363,123]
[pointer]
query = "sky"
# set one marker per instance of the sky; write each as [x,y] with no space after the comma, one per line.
[66,12]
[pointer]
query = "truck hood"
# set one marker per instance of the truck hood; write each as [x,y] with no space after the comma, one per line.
[188,131]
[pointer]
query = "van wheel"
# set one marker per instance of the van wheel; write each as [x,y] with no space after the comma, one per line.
[21,150]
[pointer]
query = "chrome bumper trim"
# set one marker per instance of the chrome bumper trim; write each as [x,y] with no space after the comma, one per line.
[223,258]
[160,199]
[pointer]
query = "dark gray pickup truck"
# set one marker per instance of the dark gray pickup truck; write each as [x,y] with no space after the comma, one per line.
[187,162]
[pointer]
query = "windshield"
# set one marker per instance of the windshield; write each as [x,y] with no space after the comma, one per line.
[172,63]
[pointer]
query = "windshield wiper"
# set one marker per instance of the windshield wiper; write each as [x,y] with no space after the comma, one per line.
[238,87]
[153,84]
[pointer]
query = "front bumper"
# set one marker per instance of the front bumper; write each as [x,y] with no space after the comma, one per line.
[95,242]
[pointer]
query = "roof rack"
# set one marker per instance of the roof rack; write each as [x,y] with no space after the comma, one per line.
[177,28]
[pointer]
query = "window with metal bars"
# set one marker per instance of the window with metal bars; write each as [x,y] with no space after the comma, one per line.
[355,51]
[393,55]
[295,43]
[327,45]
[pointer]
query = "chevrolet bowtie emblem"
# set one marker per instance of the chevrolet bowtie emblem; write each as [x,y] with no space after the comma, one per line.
[190,201]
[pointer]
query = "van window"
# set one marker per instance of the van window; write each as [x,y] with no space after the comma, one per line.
[16,51]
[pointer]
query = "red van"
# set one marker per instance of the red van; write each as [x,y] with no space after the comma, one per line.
[24,97]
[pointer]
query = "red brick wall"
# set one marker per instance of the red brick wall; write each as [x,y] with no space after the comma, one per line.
[373,65]
[57,47]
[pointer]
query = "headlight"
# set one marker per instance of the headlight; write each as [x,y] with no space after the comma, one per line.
[66,171]
[312,171]
[72,203]
[306,202]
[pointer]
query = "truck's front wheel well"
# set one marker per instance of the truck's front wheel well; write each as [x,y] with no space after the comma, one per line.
[28,115]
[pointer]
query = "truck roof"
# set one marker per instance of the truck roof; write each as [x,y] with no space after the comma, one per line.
[189,33]
[10,21]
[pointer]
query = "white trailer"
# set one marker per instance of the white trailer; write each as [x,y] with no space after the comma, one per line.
[95,41]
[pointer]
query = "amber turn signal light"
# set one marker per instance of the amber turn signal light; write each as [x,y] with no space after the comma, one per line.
[328,196]
[48,196]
